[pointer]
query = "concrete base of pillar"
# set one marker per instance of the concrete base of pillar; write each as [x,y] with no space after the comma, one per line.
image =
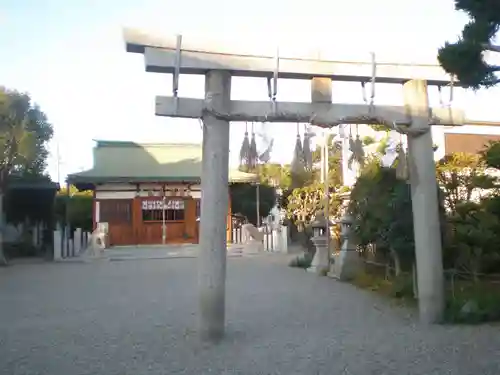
[253,247]
[346,266]
[321,260]
[331,269]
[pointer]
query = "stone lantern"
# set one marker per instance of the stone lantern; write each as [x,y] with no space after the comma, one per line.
[319,226]
[347,263]
[345,227]
[321,260]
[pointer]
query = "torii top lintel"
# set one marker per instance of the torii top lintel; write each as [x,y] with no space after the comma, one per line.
[199,56]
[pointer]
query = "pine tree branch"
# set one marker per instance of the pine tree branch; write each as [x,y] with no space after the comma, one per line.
[491,47]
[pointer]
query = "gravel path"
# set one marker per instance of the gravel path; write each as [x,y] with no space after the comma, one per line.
[138,317]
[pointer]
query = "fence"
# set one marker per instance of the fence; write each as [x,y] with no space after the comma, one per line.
[275,239]
[69,244]
[22,232]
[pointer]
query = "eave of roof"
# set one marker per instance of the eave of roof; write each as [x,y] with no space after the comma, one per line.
[131,162]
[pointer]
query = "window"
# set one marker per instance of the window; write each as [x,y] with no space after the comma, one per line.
[115,211]
[152,210]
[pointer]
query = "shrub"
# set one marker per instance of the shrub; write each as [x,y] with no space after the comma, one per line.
[473,303]
[302,261]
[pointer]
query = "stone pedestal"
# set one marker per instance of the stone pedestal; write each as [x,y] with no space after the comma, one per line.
[347,263]
[281,239]
[253,247]
[253,239]
[321,260]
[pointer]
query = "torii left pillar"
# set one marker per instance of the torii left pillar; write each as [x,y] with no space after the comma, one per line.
[214,207]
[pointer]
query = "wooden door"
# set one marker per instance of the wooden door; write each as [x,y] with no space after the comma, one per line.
[118,213]
[175,215]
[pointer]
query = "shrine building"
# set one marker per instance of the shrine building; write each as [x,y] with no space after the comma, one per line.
[146,191]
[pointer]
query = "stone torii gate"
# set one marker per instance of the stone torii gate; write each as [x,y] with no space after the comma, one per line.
[178,55]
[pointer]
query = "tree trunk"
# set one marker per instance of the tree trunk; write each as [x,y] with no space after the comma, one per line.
[475,269]
[397,262]
[3,259]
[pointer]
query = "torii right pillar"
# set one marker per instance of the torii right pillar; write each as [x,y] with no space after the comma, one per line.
[424,192]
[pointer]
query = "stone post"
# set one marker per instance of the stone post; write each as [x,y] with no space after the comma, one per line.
[57,245]
[77,238]
[283,239]
[214,208]
[35,235]
[425,206]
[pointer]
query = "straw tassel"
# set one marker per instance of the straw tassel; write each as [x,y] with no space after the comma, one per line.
[298,155]
[402,172]
[245,151]
[306,149]
[253,154]
[358,152]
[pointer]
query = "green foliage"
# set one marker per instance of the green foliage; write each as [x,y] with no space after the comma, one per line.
[75,208]
[244,200]
[474,237]
[304,203]
[303,261]
[272,174]
[32,204]
[464,58]
[24,134]
[383,144]
[379,128]
[399,287]
[491,155]
[462,175]
[303,178]
[368,140]
[381,208]
[470,237]
[80,212]
[483,299]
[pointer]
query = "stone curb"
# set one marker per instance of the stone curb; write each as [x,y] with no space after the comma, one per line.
[233,254]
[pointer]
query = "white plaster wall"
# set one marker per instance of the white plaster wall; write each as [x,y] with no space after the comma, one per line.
[115,187]
[438,133]
[115,194]
[127,186]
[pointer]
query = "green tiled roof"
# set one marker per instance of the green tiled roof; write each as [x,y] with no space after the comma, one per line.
[116,161]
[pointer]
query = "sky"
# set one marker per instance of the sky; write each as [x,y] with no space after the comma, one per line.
[70,56]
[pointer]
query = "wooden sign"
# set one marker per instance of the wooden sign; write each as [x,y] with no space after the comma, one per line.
[158,204]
